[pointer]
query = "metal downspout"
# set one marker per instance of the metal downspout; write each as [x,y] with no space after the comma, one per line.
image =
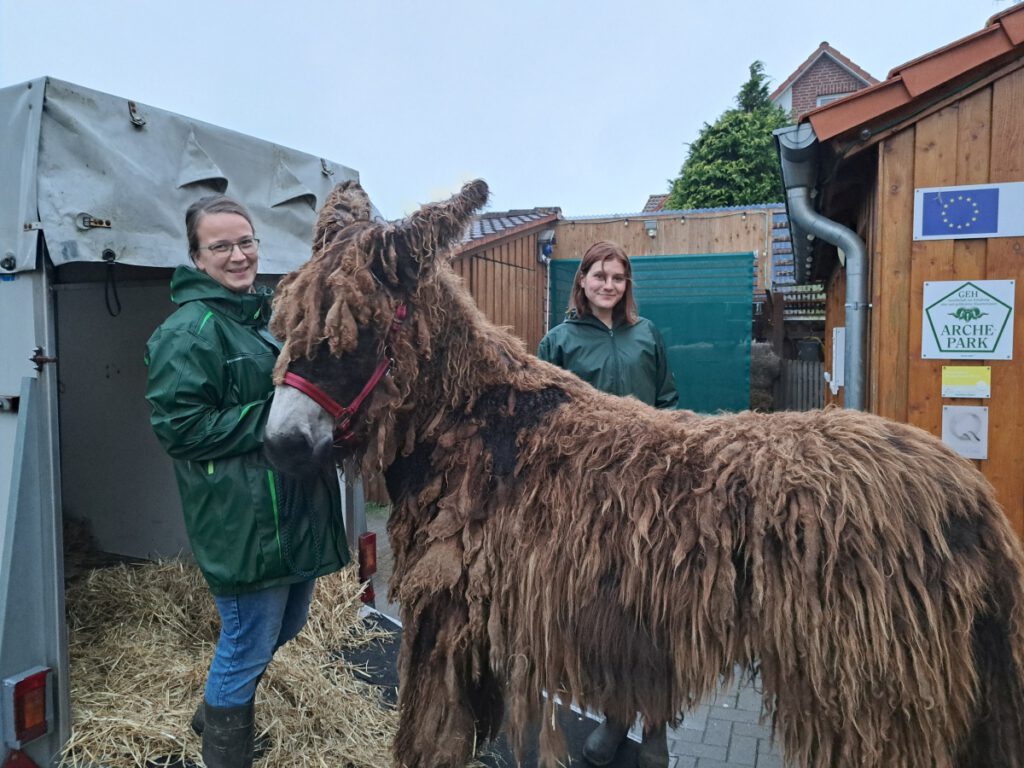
[798,159]
[844,238]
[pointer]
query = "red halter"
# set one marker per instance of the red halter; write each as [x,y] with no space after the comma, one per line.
[343,415]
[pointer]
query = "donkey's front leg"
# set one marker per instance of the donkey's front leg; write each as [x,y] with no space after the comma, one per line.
[439,691]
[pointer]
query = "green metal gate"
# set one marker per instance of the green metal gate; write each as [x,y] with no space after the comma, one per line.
[702,306]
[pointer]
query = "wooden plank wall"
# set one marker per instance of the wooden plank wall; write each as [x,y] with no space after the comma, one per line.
[890,279]
[719,232]
[976,140]
[1004,259]
[799,386]
[509,285]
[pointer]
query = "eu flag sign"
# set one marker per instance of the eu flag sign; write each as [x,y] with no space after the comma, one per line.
[967,213]
[988,210]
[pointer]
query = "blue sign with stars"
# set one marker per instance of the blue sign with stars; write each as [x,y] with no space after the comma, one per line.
[958,212]
[969,211]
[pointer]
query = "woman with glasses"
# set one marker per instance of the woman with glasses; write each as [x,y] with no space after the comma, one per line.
[605,342]
[260,539]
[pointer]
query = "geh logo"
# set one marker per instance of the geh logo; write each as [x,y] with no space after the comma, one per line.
[967,320]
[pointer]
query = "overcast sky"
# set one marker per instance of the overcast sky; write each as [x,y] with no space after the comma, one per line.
[583,105]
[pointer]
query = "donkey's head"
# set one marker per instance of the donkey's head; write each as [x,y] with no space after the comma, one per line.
[352,328]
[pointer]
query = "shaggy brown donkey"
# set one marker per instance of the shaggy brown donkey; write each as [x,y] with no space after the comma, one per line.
[551,539]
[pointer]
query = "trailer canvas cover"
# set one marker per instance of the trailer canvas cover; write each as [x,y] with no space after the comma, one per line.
[82,157]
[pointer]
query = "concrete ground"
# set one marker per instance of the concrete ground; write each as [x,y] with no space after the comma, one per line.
[723,732]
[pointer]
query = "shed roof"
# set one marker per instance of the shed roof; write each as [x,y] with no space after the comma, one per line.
[910,87]
[824,50]
[488,228]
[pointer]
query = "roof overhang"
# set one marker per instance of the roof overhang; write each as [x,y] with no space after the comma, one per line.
[929,78]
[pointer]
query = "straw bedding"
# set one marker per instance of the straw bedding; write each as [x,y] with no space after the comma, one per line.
[141,638]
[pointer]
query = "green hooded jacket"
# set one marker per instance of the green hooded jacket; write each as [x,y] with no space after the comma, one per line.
[209,389]
[624,360]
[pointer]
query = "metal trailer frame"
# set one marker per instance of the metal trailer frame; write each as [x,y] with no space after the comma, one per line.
[95,188]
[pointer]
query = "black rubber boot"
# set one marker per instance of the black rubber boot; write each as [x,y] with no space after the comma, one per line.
[603,742]
[228,736]
[261,742]
[654,750]
[199,718]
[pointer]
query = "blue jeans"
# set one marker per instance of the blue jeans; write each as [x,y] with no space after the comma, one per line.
[253,626]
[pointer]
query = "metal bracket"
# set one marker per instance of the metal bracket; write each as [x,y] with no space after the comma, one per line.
[31,225]
[40,359]
[9,403]
[135,116]
[87,221]
[325,169]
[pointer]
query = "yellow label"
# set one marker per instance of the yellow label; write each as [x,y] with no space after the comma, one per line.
[967,381]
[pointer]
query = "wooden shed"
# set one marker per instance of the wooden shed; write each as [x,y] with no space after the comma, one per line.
[951,120]
[502,262]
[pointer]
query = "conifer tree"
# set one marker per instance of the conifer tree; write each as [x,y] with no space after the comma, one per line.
[733,161]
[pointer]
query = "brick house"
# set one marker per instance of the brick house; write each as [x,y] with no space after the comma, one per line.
[826,75]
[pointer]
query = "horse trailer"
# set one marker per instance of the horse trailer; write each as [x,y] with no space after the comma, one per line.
[91,226]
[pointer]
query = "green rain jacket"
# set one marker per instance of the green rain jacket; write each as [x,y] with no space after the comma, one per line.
[624,360]
[209,389]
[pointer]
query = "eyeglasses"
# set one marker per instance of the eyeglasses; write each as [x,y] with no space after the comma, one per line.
[247,245]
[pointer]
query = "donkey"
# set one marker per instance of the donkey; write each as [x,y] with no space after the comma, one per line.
[553,542]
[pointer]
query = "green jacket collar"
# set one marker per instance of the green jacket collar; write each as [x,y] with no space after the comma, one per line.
[575,317]
[189,284]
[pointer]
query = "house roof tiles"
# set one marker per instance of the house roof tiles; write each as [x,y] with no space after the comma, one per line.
[489,227]
[926,78]
[655,203]
[502,222]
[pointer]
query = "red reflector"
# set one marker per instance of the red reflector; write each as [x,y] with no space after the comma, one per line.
[367,555]
[18,759]
[367,595]
[367,565]
[30,707]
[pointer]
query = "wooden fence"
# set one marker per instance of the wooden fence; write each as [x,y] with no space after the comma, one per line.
[800,385]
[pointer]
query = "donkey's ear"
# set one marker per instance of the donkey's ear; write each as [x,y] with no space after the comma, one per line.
[435,227]
[346,204]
